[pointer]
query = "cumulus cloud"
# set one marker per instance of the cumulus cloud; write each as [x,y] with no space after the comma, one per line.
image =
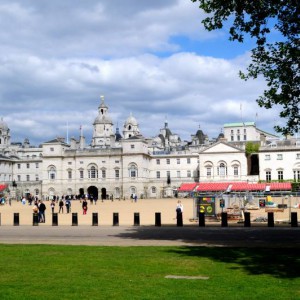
[58,57]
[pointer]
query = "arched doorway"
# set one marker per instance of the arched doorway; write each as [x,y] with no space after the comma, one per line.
[103,194]
[81,193]
[92,190]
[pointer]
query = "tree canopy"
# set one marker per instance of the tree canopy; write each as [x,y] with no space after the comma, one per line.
[277,61]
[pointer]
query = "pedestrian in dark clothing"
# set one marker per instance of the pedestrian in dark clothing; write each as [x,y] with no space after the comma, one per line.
[68,205]
[84,206]
[42,208]
[61,206]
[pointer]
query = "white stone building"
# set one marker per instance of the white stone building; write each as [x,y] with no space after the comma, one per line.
[116,166]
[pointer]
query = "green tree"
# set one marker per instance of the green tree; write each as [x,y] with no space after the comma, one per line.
[251,148]
[279,61]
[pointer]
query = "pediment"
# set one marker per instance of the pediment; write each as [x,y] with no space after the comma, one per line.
[222,147]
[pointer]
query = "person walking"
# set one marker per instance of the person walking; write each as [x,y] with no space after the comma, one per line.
[179,213]
[52,205]
[42,208]
[84,206]
[68,205]
[61,206]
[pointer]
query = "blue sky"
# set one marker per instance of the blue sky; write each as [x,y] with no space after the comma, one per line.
[151,59]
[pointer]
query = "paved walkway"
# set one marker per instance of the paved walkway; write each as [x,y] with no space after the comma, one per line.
[145,235]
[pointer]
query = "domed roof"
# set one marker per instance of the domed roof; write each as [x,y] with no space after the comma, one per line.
[103,119]
[3,125]
[221,136]
[131,120]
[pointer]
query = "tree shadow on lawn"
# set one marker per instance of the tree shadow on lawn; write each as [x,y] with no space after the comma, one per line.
[279,263]
[273,251]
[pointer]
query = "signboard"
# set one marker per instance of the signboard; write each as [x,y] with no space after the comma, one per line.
[206,205]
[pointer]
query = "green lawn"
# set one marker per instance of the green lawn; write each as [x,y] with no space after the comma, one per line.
[88,272]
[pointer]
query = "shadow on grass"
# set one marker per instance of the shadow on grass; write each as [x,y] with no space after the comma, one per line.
[279,263]
[273,251]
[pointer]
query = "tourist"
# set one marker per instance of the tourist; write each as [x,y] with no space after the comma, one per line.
[61,206]
[52,205]
[84,206]
[68,205]
[179,213]
[42,208]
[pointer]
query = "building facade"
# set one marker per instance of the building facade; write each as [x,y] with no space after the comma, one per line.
[117,166]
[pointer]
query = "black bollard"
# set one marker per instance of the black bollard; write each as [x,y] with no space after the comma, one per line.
[247,222]
[224,222]
[270,219]
[157,219]
[115,219]
[136,219]
[294,219]
[95,219]
[54,219]
[16,219]
[201,219]
[74,219]
[35,219]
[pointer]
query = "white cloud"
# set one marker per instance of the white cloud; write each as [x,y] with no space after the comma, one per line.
[58,57]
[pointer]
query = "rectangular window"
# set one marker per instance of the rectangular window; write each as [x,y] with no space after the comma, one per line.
[81,174]
[168,174]
[267,157]
[69,162]
[280,175]
[157,174]
[188,160]
[117,161]
[208,172]
[238,138]
[117,173]
[28,177]
[298,156]
[268,176]
[178,161]
[158,161]
[297,175]
[69,174]
[178,174]
[236,171]
[168,161]
[19,166]
[132,146]
[36,177]
[231,131]
[279,156]
[19,177]
[245,137]
[81,162]
[36,165]
[188,174]
[51,149]
[28,166]
[103,173]
[232,138]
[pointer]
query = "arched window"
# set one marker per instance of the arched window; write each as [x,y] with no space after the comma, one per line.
[222,170]
[93,172]
[133,171]
[51,172]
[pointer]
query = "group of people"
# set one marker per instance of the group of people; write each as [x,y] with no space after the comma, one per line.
[39,208]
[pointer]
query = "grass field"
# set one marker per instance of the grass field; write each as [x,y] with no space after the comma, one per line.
[86,272]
